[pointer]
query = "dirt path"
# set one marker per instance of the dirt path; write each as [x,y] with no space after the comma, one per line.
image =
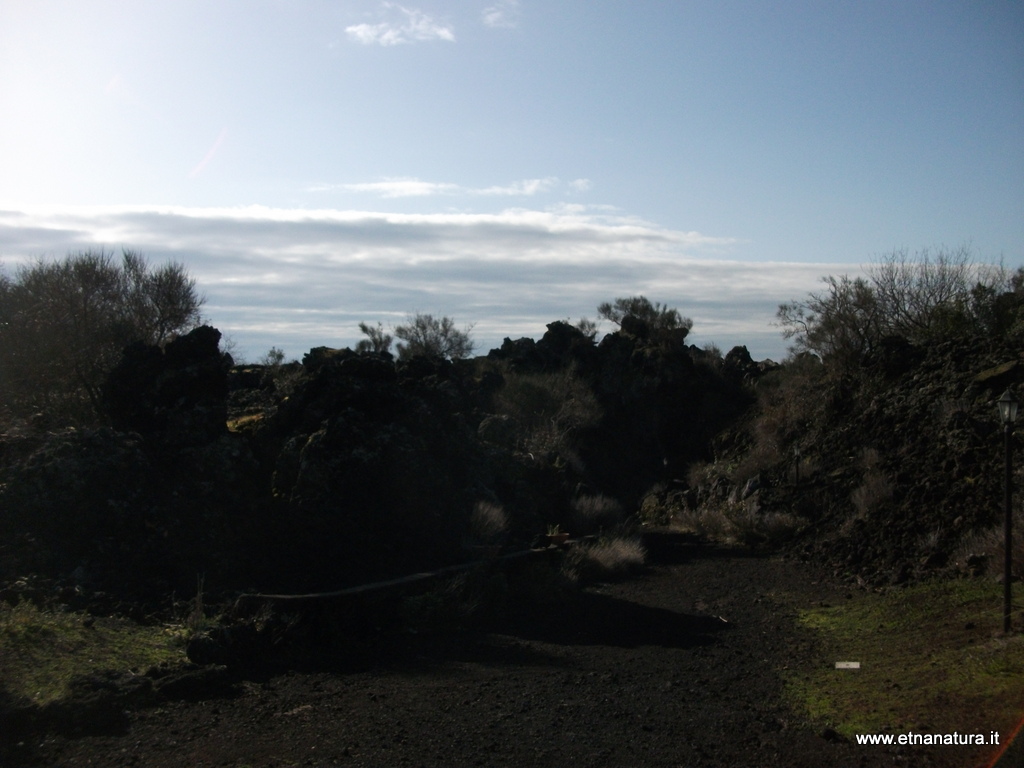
[641,673]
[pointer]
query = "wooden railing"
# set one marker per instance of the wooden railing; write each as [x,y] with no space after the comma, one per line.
[391,586]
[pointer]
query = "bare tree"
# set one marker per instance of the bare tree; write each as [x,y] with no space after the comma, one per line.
[377,340]
[841,322]
[63,325]
[657,316]
[586,326]
[274,358]
[434,337]
[639,318]
[919,297]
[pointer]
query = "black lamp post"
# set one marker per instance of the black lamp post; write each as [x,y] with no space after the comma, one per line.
[1008,413]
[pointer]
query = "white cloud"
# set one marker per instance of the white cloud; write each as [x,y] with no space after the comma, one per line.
[407,25]
[298,278]
[406,187]
[525,187]
[580,185]
[503,14]
[390,188]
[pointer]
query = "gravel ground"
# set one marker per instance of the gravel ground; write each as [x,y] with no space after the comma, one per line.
[680,666]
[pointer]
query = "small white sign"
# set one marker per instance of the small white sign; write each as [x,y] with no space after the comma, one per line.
[847,665]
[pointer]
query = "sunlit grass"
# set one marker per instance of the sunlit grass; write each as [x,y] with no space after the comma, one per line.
[245,422]
[42,651]
[933,659]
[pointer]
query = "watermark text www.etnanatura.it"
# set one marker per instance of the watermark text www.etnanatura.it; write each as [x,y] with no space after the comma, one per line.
[930,739]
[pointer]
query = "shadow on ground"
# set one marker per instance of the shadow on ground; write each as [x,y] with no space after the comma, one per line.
[367,633]
[593,618]
[671,547]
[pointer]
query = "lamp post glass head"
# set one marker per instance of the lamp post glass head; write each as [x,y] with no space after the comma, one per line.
[1008,408]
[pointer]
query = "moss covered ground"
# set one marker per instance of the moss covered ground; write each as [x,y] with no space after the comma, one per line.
[933,658]
[43,650]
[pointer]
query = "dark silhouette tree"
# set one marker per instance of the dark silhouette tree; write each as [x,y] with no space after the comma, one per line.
[377,340]
[639,313]
[63,325]
[921,298]
[433,337]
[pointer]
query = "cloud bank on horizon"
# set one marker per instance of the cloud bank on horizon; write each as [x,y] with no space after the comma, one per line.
[299,278]
[402,187]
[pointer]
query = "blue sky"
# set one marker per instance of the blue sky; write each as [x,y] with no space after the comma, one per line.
[315,164]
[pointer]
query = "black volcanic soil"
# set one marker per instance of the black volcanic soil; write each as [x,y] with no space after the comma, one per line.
[678,667]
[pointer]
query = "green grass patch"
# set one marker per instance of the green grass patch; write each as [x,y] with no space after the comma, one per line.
[932,656]
[42,651]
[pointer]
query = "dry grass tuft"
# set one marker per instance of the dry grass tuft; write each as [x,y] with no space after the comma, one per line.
[604,560]
[488,523]
[740,523]
[594,514]
[984,551]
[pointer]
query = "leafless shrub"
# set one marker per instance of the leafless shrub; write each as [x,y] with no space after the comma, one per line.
[196,621]
[273,358]
[870,459]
